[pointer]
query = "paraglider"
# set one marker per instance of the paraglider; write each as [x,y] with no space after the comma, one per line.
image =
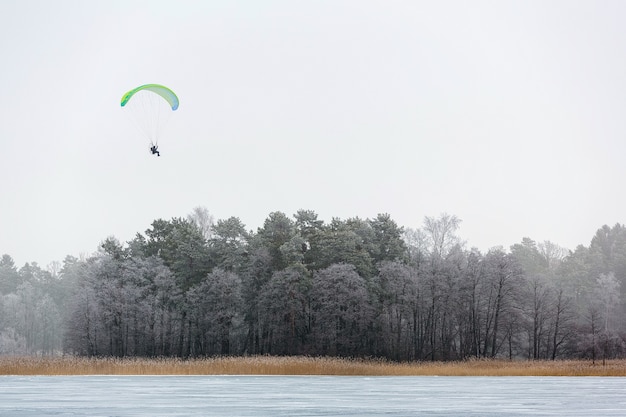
[150,106]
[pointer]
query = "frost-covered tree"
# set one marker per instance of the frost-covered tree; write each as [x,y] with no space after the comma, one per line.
[398,297]
[203,220]
[217,309]
[284,311]
[9,277]
[341,312]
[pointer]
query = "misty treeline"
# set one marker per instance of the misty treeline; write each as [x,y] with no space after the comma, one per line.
[192,287]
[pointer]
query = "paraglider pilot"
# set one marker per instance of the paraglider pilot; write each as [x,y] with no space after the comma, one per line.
[155,150]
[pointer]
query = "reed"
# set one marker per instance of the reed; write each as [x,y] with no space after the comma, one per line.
[301,365]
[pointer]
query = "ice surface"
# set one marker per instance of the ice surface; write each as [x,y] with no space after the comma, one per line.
[143,396]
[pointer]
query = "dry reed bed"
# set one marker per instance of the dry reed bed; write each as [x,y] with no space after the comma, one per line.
[300,365]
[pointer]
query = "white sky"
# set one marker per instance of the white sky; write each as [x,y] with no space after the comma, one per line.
[508,114]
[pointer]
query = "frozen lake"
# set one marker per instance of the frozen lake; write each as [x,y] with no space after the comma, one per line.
[143,396]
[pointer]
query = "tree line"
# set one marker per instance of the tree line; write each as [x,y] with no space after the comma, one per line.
[193,287]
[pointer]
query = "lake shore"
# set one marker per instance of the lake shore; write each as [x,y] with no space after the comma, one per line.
[301,365]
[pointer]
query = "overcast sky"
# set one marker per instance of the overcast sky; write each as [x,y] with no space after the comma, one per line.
[510,115]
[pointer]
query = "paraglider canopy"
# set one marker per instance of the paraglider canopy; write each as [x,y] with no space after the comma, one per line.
[150,106]
[161,90]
